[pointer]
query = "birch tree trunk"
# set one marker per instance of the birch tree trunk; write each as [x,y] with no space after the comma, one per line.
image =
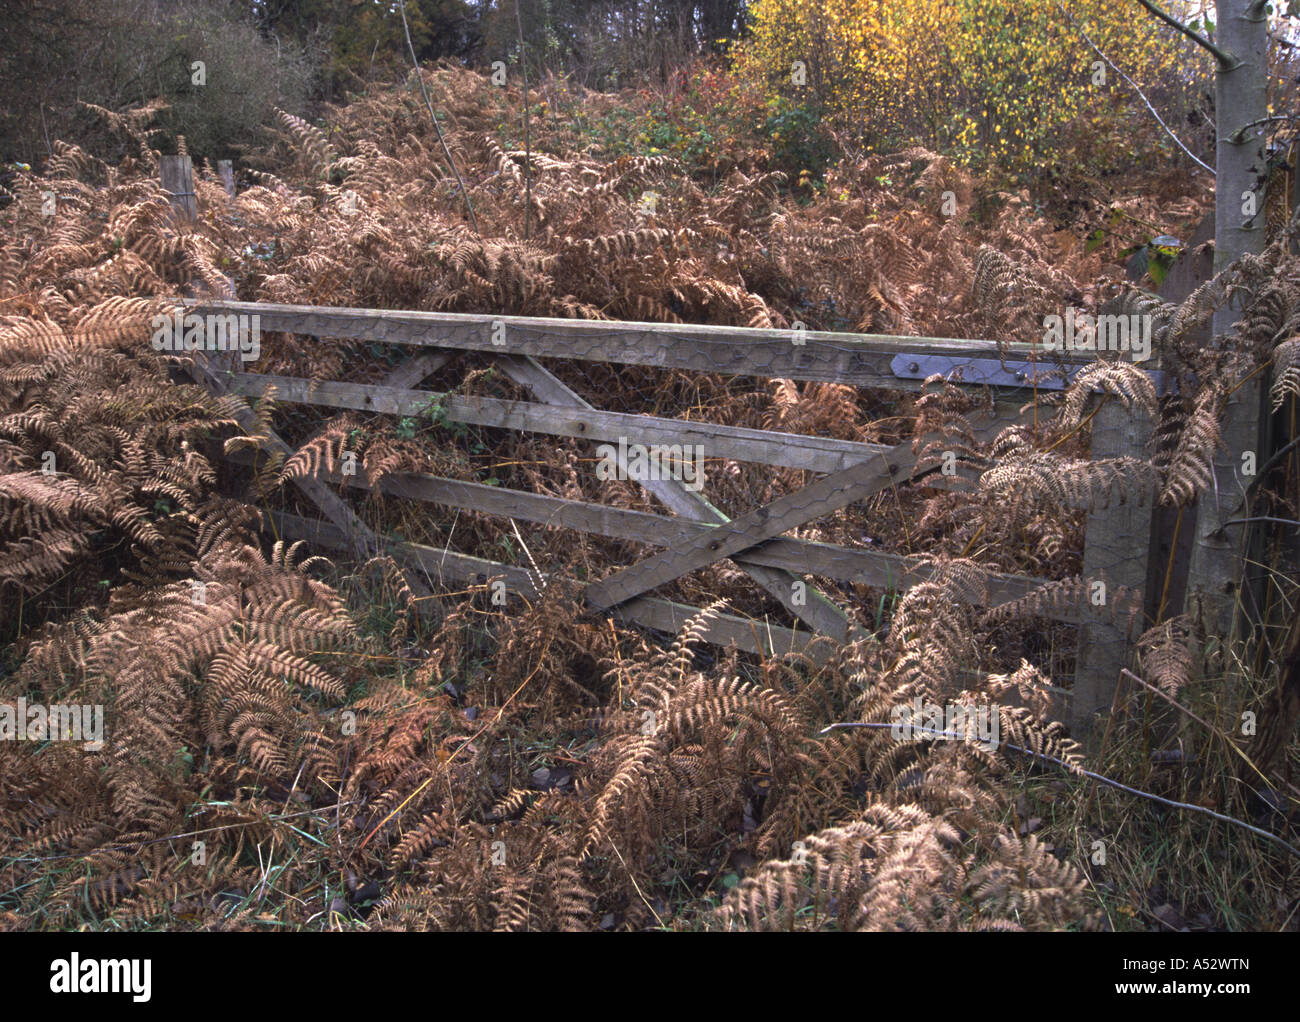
[1241,104]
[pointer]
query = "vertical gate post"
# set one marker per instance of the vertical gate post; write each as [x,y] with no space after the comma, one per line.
[1116,549]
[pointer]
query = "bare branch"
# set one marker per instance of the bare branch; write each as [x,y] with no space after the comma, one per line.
[437,130]
[1239,136]
[1227,61]
[1168,130]
[1081,772]
[528,149]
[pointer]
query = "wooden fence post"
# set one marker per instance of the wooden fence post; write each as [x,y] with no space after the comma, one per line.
[226,172]
[1104,647]
[177,174]
[1116,547]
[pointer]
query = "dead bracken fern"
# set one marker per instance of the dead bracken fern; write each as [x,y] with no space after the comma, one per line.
[539,769]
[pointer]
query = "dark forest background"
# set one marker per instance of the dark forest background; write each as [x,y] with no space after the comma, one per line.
[297,54]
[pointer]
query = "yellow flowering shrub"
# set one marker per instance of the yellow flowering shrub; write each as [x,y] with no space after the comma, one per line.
[1007,82]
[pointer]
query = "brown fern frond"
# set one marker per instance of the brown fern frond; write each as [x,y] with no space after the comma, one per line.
[1286,372]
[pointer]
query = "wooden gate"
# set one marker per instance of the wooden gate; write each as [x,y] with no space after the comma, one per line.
[697,534]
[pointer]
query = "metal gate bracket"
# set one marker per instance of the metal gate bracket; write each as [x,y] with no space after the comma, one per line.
[992,372]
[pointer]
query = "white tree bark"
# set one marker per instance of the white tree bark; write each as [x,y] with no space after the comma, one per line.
[1241,103]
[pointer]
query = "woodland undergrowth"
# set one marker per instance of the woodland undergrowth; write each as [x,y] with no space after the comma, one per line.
[293,741]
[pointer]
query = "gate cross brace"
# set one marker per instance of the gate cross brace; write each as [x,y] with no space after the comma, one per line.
[818,612]
[828,494]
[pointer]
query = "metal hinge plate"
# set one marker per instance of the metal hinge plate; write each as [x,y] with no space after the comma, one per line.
[992,372]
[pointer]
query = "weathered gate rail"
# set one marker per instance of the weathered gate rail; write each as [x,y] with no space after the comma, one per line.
[859,360]
[1117,541]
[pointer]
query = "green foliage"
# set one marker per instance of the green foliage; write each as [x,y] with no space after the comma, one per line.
[800,143]
[713,122]
[1007,83]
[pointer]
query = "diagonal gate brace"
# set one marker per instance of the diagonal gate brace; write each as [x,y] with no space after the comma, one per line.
[828,494]
[818,612]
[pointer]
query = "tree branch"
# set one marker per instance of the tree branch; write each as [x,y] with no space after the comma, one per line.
[528,149]
[437,130]
[1168,130]
[1079,771]
[1227,61]
[1239,136]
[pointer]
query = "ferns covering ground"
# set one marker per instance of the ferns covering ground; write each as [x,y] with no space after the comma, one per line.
[292,743]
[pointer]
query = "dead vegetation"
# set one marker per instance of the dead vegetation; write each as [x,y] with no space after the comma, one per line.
[347,763]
